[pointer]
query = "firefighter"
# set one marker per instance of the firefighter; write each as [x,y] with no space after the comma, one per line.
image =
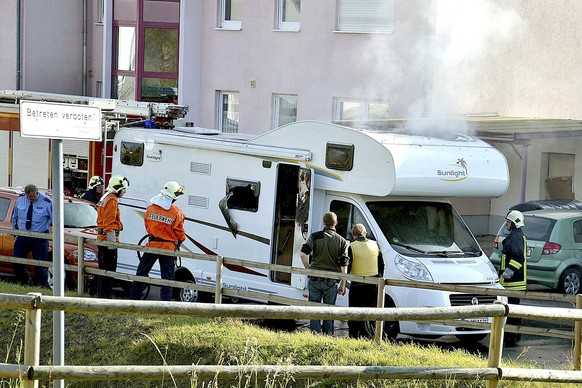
[164,223]
[91,193]
[513,268]
[108,227]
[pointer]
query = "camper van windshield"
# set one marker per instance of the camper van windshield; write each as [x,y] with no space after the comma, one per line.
[424,228]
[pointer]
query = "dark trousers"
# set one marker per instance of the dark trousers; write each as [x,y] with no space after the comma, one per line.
[39,248]
[322,290]
[107,261]
[362,295]
[513,337]
[146,263]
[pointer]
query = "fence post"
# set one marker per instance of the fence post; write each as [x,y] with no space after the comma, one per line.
[378,333]
[577,336]
[218,285]
[32,338]
[80,266]
[495,346]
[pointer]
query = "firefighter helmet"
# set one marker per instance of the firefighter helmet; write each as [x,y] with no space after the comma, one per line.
[95,181]
[516,217]
[117,183]
[172,189]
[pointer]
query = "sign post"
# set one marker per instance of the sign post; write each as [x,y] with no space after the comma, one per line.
[58,122]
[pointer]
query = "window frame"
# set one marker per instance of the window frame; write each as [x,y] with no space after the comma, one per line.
[138,73]
[223,23]
[337,108]
[280,23]
[370,16]
[220,111]
[277,99]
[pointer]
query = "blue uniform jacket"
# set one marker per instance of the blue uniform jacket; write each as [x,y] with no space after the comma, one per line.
[42,214]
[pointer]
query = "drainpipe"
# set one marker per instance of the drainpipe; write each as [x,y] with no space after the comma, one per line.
[84,71]
[18,44]
[523,172]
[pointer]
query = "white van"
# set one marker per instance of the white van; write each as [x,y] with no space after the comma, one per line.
[257,197]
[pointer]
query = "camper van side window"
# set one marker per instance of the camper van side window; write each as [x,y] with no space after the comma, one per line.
[243,195]
[131,153]
[339,156]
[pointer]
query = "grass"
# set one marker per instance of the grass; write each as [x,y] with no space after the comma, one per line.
[103,339]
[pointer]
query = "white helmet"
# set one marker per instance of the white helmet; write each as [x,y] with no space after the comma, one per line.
[95,181]
[172,189]
[516,217]
[117,183]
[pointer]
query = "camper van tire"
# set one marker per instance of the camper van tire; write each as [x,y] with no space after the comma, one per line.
[189,294]
[391,328]
[471,338]
[126,287]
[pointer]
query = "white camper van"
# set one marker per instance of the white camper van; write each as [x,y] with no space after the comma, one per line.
[257,197]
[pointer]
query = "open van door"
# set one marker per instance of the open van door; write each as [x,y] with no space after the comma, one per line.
[292,214]
[302,218]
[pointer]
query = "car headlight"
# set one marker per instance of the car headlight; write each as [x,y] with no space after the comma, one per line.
[412,270]
[88,255]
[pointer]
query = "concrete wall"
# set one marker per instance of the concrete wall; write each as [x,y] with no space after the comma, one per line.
[315,63]
[52,46]
[7,44]
[515,58]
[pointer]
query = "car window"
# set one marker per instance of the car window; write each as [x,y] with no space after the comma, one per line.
[535,228]
[577,231]
[4,204]
[79,215]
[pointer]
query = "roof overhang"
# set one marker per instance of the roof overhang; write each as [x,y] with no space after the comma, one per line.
[492,128]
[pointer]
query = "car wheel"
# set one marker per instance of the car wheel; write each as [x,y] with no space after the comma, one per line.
[570,281]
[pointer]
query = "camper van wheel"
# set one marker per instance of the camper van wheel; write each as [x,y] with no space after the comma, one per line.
[471,338]
[391,328]
[187,294]
[126,287]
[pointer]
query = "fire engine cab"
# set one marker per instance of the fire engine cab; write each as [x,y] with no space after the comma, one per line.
[27,160]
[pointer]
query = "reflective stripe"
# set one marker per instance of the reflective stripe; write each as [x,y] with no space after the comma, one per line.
[515,264]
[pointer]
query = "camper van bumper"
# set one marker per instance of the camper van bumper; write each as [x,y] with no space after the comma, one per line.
[413,297]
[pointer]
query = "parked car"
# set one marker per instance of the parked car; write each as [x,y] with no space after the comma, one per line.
[80,219]
[554,248]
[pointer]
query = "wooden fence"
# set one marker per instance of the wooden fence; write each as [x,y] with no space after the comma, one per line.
[219,291]
[31,372]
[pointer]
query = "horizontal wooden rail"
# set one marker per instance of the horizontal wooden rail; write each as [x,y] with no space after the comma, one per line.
[119,306]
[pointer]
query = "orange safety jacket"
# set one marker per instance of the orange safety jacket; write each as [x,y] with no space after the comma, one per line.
[166,227]
[108,217]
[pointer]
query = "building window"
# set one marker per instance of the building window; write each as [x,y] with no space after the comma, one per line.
[360,110]
[284,109]
[230,14]
[287,17]
[100,11]
[228,111]
[366,16]
[145,57]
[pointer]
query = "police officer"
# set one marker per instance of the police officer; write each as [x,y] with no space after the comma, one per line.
[33,211]
[365,260]
[513,268]
[164,223]
[91,193]
[108,227]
